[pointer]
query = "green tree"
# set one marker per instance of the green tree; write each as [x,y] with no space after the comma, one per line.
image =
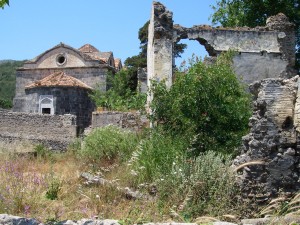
[213,117]
[232,13]
[8,81]
[3,3]
[119,97]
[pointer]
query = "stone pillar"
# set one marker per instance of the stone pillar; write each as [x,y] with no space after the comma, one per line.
[160,47]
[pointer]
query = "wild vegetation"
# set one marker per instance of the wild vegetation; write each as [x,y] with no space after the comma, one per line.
[8,82]
[178,178]
[120,96]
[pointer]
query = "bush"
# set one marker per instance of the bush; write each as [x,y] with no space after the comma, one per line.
[207,103]
[210,186]
[109,143]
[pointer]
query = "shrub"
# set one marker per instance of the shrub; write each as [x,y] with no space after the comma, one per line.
[207,103]
[5,104]
[210,186]
[109,143]
[54,186]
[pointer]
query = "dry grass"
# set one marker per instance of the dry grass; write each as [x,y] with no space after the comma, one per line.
[74,200]
[16,147]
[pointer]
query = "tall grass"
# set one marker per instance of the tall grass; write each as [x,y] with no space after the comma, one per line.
[155,156]
[109,143]
[193,187]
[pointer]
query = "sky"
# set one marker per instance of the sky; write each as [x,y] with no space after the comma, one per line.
[30,27]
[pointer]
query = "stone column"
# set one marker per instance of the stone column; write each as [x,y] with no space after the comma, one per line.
[160,47]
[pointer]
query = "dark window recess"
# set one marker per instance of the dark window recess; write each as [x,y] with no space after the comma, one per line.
[61,59]
[46,111]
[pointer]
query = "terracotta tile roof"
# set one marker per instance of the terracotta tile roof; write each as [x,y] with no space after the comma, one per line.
[118,63]
[58,79]
[87,48]
[95,56]
[105,56]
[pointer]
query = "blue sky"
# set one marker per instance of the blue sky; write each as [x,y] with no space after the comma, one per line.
[30,27]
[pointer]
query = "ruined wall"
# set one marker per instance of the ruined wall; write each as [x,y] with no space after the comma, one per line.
[54,131]
[160,46]
[128,120]
[273,143]
[262,52]
[270,158]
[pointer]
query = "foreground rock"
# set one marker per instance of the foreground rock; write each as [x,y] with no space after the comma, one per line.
[269,163]
[6,219]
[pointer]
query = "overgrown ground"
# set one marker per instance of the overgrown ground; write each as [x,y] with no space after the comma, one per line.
[48,186]
[182,166]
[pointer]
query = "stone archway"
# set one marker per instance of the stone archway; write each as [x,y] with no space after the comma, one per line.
[263,52]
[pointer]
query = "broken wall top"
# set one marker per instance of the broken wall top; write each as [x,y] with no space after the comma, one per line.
[242,39]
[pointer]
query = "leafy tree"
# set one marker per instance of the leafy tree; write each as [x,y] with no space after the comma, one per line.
[119,97]
[8,81]
[3,3]
[231,13]
[214,117]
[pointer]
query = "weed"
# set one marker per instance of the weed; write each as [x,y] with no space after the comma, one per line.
[283,206]
[109,143]
[42,152]
[155,155]
[53,189]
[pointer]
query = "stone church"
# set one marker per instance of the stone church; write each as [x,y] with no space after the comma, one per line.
[59,81]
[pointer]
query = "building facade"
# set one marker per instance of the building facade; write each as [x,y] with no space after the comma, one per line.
[59,81]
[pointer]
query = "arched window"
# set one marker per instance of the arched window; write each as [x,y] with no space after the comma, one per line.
[46,104]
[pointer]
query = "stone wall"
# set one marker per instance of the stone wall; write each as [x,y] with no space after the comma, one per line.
[92,76]
[128,120]
[270,157]
[66,100]
[262,52]
[54,131]
[142,80]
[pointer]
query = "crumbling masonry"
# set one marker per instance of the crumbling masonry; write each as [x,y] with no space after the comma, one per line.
[270,157]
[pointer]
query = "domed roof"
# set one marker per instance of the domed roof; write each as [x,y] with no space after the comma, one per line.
[58,79]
